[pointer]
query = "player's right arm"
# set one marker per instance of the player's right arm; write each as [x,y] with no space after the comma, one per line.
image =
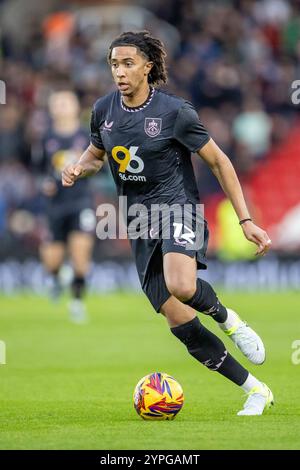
[90,162]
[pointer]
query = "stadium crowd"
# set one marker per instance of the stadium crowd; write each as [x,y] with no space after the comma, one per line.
[235,60]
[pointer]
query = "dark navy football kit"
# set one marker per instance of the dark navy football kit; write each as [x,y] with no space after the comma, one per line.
[149,153]
[67,210]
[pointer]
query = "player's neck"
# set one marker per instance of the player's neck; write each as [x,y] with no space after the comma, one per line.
[138,98]
[65,126]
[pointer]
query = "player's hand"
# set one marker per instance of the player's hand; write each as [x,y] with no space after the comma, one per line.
[71,174]
[255,234]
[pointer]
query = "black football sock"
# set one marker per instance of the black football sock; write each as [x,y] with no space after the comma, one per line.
[205,300]
[208,349]
[78,287]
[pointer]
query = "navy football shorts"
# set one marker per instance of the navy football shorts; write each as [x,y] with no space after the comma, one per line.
[184,236]
[61,225]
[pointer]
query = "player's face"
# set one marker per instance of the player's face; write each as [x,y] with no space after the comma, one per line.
[63,104]
[130,69]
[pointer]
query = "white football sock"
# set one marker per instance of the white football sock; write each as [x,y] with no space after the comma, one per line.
[250,383]
[230,320]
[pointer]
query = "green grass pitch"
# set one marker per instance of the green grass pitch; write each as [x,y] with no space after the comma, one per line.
[67,386]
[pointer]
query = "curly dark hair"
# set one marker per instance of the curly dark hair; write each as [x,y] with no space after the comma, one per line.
[152,48]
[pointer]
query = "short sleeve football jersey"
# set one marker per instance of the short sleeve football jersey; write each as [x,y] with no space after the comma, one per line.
[58,152]
[149,147]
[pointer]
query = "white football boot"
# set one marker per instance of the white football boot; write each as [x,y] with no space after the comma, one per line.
[260,398]
[77,311]
[55,291]
[245,339]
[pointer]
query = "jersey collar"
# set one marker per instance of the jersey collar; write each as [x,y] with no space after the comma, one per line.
[142,106]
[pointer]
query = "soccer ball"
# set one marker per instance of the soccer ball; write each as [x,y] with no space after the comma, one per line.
[158,396]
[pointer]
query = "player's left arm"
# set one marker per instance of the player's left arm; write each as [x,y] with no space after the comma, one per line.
[223,169]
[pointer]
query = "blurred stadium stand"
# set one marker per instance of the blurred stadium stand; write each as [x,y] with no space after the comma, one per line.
[235,60]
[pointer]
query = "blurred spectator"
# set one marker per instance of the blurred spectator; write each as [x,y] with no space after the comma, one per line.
[58,29]
[11,134]
[253,128]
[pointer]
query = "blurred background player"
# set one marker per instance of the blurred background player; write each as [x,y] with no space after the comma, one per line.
[70,216]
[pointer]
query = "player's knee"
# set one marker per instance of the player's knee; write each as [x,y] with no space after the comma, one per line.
[175,313]
[181,289]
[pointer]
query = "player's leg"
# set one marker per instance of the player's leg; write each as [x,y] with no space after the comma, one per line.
[180,273]
[52,251]
[80,247]
[201,343]
[185,325]
[210,351]
[52,256]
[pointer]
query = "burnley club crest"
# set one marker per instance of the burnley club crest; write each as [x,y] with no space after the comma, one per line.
[153,126]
